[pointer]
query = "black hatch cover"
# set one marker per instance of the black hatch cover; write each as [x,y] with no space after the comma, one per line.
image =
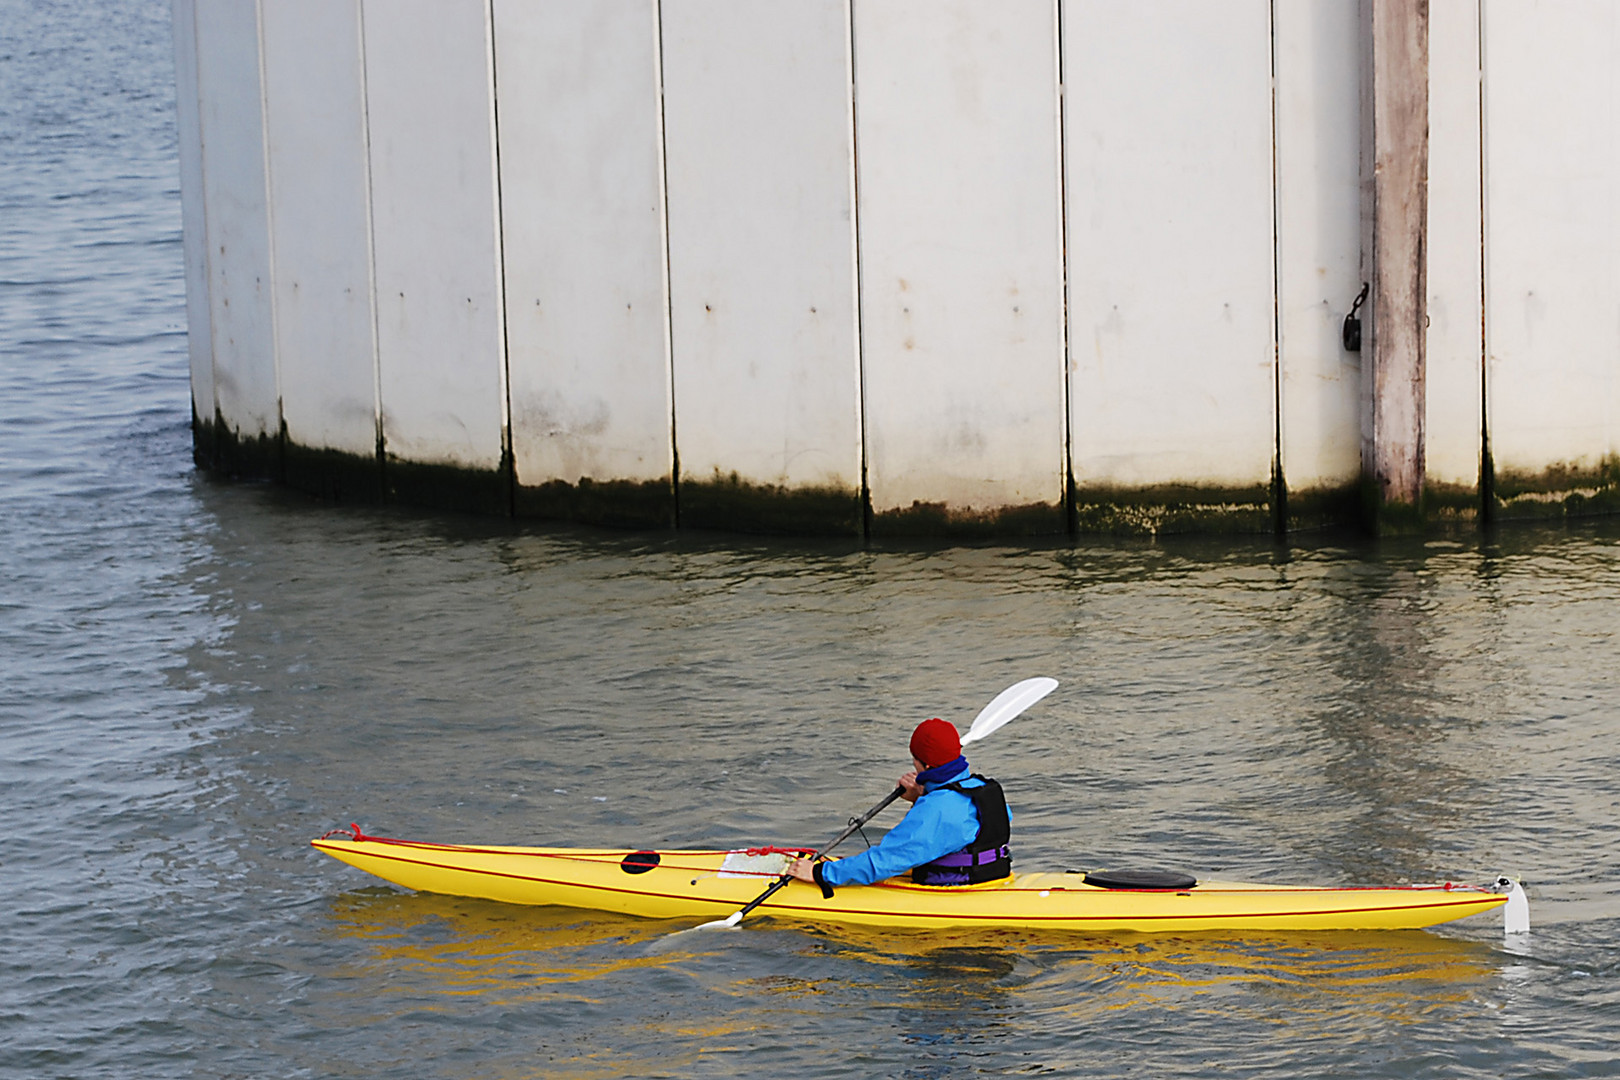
[1139,879]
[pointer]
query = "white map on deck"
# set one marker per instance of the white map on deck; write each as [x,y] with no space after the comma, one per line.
[742,864]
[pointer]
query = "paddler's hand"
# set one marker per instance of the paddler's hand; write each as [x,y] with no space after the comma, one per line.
[910,790]
[802,870]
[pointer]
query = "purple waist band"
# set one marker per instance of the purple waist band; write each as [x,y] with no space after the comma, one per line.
[963,858]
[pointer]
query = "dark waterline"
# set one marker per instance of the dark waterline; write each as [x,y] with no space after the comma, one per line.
[201,677]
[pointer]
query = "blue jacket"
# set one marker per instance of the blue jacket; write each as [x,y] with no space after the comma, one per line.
[938,823]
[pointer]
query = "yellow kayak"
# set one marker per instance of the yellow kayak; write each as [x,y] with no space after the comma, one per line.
[676,884]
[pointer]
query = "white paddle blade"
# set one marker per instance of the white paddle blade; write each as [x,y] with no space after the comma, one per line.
[728,923]
[1008,704]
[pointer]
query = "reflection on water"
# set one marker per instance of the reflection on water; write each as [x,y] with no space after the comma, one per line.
[949,997]
[1391,729]
[476,945]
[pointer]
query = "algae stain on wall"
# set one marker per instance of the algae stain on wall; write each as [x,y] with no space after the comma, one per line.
[731,503]
[1163,509]
[1563,490]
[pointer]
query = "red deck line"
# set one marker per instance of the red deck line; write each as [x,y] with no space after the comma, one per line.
[595,856]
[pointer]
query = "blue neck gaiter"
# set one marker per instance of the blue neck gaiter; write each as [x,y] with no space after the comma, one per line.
[941,774]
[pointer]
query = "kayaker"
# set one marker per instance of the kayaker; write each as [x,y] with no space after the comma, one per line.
[956,832]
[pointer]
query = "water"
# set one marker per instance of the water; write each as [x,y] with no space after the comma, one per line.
[198,678]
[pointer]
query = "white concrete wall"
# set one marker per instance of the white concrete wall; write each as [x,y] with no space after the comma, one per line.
[231,128]
[960,253]
[582,214]
[193,217]
[1453,351]
[320,216]
[441,348]
[1170,253]
[806,239]
[761,241]
[1318,123]
[1552,204]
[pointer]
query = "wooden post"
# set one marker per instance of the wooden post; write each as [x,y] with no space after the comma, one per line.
[1392,448]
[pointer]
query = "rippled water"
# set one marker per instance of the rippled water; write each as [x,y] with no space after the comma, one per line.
[198,678]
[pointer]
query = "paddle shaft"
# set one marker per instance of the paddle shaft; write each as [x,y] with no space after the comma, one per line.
[854,823]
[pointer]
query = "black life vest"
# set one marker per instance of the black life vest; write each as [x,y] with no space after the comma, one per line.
[988,857]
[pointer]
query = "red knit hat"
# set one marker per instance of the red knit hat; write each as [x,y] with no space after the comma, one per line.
[935,742]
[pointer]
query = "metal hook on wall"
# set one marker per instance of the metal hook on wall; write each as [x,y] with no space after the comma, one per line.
[1352,322]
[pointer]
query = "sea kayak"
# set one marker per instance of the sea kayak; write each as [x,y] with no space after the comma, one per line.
[681,884]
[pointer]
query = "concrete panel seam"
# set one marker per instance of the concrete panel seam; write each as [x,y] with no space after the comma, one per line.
[855,260]
[1066,471]
[270,233]
[371,251]
[1487,466]
[663,228]
[1279,477]
[508,459]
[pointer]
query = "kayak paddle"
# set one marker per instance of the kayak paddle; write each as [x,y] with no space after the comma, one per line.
[993,717]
